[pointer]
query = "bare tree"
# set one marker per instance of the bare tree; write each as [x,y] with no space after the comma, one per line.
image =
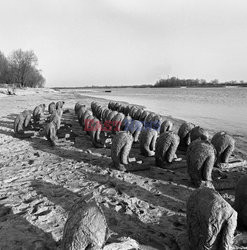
[22,63]
[4,68]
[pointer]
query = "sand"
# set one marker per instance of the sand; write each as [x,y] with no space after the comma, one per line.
[39,184]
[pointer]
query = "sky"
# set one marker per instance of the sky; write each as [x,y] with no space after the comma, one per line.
[125,42]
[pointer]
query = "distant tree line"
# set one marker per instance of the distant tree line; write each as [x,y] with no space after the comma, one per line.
[176,82]
[20,69]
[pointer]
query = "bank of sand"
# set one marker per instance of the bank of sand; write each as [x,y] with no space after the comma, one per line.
[39,184]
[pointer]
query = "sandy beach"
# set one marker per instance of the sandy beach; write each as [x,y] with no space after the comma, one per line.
[39,184]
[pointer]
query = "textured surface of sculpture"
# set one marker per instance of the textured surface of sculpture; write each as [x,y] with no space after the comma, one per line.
[19,124]
[105,113]
[80,112]
[224,145]
[211,221]
[199,133]
[77,106]
[148,120]
[133,112]
[166,147]
[84,117]
[38,112]
[27,114]
[166,126]
[98,112]
[156,122]
[144,115]
[137,114]
[116,106]
[184,134]
[135,129]
[111,104]
[240,204]
[127,110]
[148,139]
[56,119]
[126,123]
[117,122]
[60,112]
[108,120]
[59,104]
[51,107]
[200,159]
[120,149]
[85,228]
[50,130]
[94,128]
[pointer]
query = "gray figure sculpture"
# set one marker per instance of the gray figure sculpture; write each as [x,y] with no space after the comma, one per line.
[240,204]
[148,121]
[211,221]
[132,112]
[27,114]
[94,129]
[111,104]
[137,114]
[120,149]
[108,120]
[199,133]
[60,104]
[224,145]
[105,113]
[148,139]
[126,123]
[166,126]
[144,115]
[184,135]
[86,227]
[50,130]
[127,110]
[156,122]
[117,122]
[51,107]
[38,112]
[116,106]
[166,147]
[80,112]
[56,119]
[200,159]
[135,128]
[19,124]
[77,106]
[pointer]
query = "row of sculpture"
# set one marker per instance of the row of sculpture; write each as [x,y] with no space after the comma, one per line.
[28,120]
[211,220]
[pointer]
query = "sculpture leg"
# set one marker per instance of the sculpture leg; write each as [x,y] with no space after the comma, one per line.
[153,141]
[147,149]
[170,154]
[227,232]
[207,169]
[136,135]
[226,154]
[124,155]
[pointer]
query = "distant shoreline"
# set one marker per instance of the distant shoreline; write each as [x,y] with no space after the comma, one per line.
[147,86]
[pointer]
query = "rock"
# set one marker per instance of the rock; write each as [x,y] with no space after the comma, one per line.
[85,228]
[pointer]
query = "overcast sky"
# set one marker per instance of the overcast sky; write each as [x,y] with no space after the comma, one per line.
[85,42]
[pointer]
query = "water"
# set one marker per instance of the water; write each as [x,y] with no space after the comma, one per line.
[216,109]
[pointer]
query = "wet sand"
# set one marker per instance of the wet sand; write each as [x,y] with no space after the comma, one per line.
[39,184]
